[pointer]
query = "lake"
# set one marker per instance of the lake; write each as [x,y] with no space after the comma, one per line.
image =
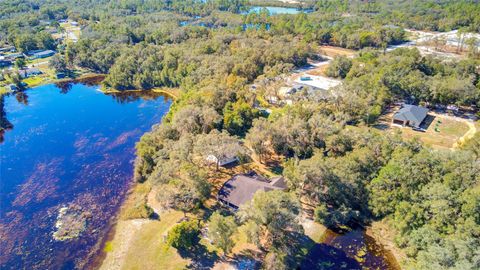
[277,10]
[65,168]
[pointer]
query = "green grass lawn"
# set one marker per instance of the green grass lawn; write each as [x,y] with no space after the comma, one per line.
[442,133]
[34,81]
[4,90]
[146,248]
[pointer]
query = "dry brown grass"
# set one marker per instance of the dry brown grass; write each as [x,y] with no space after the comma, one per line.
[332,51]
[140,244]
[442,131]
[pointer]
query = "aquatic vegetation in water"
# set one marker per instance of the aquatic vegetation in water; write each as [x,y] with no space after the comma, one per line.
[71,222]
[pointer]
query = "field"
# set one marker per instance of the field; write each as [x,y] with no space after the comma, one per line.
[442,131]
[140,244]
[332,51]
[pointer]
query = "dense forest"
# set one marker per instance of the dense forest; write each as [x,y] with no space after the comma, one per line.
[214,51]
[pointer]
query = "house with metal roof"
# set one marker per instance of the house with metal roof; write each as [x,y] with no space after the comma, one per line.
[410,115]
[241,188]
[43,54]
[29,72]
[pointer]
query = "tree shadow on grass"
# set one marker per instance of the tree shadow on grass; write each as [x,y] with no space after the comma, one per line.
[200,257]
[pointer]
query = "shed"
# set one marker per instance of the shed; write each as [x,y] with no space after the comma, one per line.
[221,161]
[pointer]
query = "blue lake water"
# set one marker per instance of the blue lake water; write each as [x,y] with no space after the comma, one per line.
[70,148]
[278,10]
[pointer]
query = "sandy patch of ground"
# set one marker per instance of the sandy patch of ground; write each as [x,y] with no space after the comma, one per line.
[332,51]
[321,82]
[124,233]
[470,133]
[313,229]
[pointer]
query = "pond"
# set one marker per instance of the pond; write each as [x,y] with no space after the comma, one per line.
[277,10]
[350,250]
[66,165]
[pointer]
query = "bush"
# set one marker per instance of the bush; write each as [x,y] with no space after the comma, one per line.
[184,236]
[339,67]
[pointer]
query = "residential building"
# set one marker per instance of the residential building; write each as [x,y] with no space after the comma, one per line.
[29,72]
[410,115]
[241,188]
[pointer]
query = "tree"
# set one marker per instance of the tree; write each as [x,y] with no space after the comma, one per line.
[218,145]
[183,194]
[196,120]
[275,214]
[25,43]
[238,117]
[339,67]
[184,236]
[258,137]
[58,63]
[220,231]
[20,63]
[45,41]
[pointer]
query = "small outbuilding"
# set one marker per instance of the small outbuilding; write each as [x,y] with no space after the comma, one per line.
[222,161]
[410,115]
[241,188]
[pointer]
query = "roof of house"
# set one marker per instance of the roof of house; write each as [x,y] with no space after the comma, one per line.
[44,53]
[411,113]
[241,188]
[29,71]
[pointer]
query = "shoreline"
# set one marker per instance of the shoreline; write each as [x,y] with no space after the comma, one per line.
[87,78]
[79,79]
[174,93]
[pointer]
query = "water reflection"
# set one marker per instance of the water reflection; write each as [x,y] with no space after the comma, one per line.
[131,96]
[4,123]
[73,151]
[348,250]
[22,97]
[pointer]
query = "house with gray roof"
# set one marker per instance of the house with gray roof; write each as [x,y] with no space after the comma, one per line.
[410,115]
[241,188]
[29,72]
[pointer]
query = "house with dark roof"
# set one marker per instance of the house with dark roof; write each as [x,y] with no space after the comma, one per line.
[241,188]
[410,115]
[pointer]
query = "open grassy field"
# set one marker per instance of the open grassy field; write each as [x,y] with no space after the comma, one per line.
[140,244]
[441,131]
[34,81]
